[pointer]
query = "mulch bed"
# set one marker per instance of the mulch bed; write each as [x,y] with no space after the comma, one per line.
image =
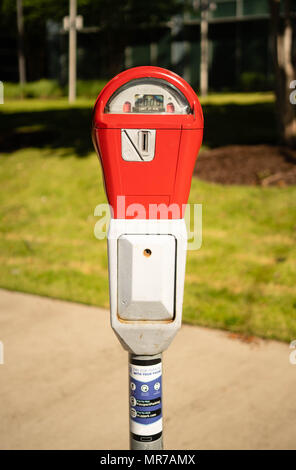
[263,165]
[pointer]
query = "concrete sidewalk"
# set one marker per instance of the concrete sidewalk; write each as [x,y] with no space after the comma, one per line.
[63,384]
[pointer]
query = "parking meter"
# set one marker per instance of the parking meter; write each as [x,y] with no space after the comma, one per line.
[147,130]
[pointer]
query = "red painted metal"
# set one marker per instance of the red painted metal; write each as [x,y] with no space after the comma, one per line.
[167,178]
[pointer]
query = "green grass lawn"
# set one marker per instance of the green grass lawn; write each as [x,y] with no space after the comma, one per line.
[243,277]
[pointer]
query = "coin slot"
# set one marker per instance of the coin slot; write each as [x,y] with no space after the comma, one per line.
[144,141]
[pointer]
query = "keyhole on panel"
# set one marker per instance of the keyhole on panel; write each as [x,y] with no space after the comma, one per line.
[147,252]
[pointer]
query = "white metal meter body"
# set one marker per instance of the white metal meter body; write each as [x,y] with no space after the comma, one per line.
[146,274]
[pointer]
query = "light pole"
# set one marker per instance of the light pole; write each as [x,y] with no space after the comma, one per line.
[204,49]
[204,6]
[72,50]
[21,54]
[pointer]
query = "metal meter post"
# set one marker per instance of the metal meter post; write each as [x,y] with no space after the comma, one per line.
[145,402]
[147,130]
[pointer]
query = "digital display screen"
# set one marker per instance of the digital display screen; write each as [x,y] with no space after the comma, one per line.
[148,104]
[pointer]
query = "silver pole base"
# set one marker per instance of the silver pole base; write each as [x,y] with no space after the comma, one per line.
[154,445]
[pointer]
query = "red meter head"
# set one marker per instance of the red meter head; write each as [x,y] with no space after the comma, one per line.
[147,130]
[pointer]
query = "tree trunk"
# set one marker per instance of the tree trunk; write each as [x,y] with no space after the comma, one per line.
[282,36]
[21,53]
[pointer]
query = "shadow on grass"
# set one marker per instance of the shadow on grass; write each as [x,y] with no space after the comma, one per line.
[70,128]
[232,124]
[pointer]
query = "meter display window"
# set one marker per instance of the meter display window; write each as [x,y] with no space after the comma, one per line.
[148,104]
[148,96]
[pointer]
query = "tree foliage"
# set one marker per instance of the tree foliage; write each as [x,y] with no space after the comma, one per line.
[114,14]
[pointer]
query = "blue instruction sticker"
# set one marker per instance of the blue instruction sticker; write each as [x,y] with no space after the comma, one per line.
[145,399]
